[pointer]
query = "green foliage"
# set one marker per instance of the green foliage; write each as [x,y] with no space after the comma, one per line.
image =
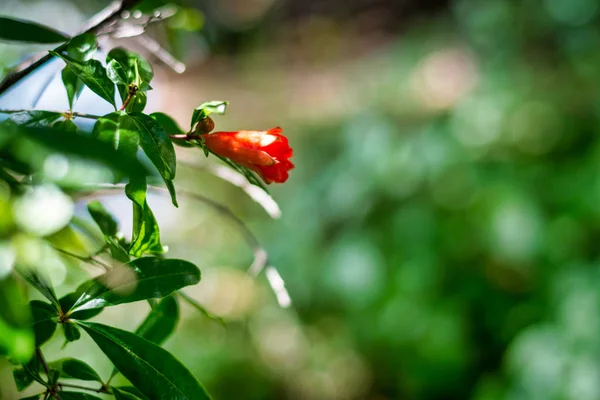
[27,31]
[154,371]
[48,163]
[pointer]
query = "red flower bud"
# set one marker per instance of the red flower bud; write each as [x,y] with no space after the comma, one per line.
[265,152]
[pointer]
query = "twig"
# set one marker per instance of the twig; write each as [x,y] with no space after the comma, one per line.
[260,261]
[40,357]
[105,17]
[199,307]
[74,114]
[87,259]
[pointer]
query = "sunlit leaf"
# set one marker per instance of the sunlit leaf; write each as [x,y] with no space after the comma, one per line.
[137,69]
[158,147]
[28,31]
[152,369]
[141,279]
[67,301]
[146,234]
[73,85]
[35,118]
[93,75]
[205,109]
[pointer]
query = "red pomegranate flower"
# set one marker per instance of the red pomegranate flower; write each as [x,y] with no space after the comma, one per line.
[265,152]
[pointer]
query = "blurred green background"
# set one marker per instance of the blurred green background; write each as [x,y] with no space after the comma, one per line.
[440,233]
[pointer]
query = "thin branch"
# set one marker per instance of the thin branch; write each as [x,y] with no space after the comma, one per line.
[87,259]
[260,255]
[109,15]
[74,114]
[40,357]
[199,307]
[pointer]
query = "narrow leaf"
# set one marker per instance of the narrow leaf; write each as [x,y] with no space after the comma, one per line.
[73,85]
[93,74]
[122,395]
[158,147]
[66,303]
[45,319]
[75,369]
[161,321]
[42,285]
[152,369]
[106,222]
[28,31]
[146,234]
[144,278]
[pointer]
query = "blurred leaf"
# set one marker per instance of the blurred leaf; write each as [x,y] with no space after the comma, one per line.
[22,378]
[161,321]
[119,395]
[132,390]
[42,285]
[75,369]
[141,279]
[35,118]
[66,303]
[93,75]
[82,47]
[77,396]
[153,370]
[248,174]
[71,331]
[27,31]
[34,397]
[45,319]
[205,109]
[73,85]
[34,146]
[66,125]
[53,376]
[106,222]
[137,69]
[158,147]
[16,337]
[146,234]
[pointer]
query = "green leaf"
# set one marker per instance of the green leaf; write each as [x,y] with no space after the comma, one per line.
[82,47]
[77,396]
[22,379]
[34,397]
[146,234]
[132,390]
[171,127]
[65,125]
[41,284]
[93,74]
[158,147]
[248,174]
[137,69]
[16,337]
[27,31]
[45,319]
[119,395]
[35,118]
[117,251]
[75,369]
[87,158]
[119,130]
[161,321]
[141,279]
[33,367]
[73,85]
[71,331]
[205,109]
[106,222]
[138,103]
[117,74]
[66,303]
[53,376]
[150,368]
